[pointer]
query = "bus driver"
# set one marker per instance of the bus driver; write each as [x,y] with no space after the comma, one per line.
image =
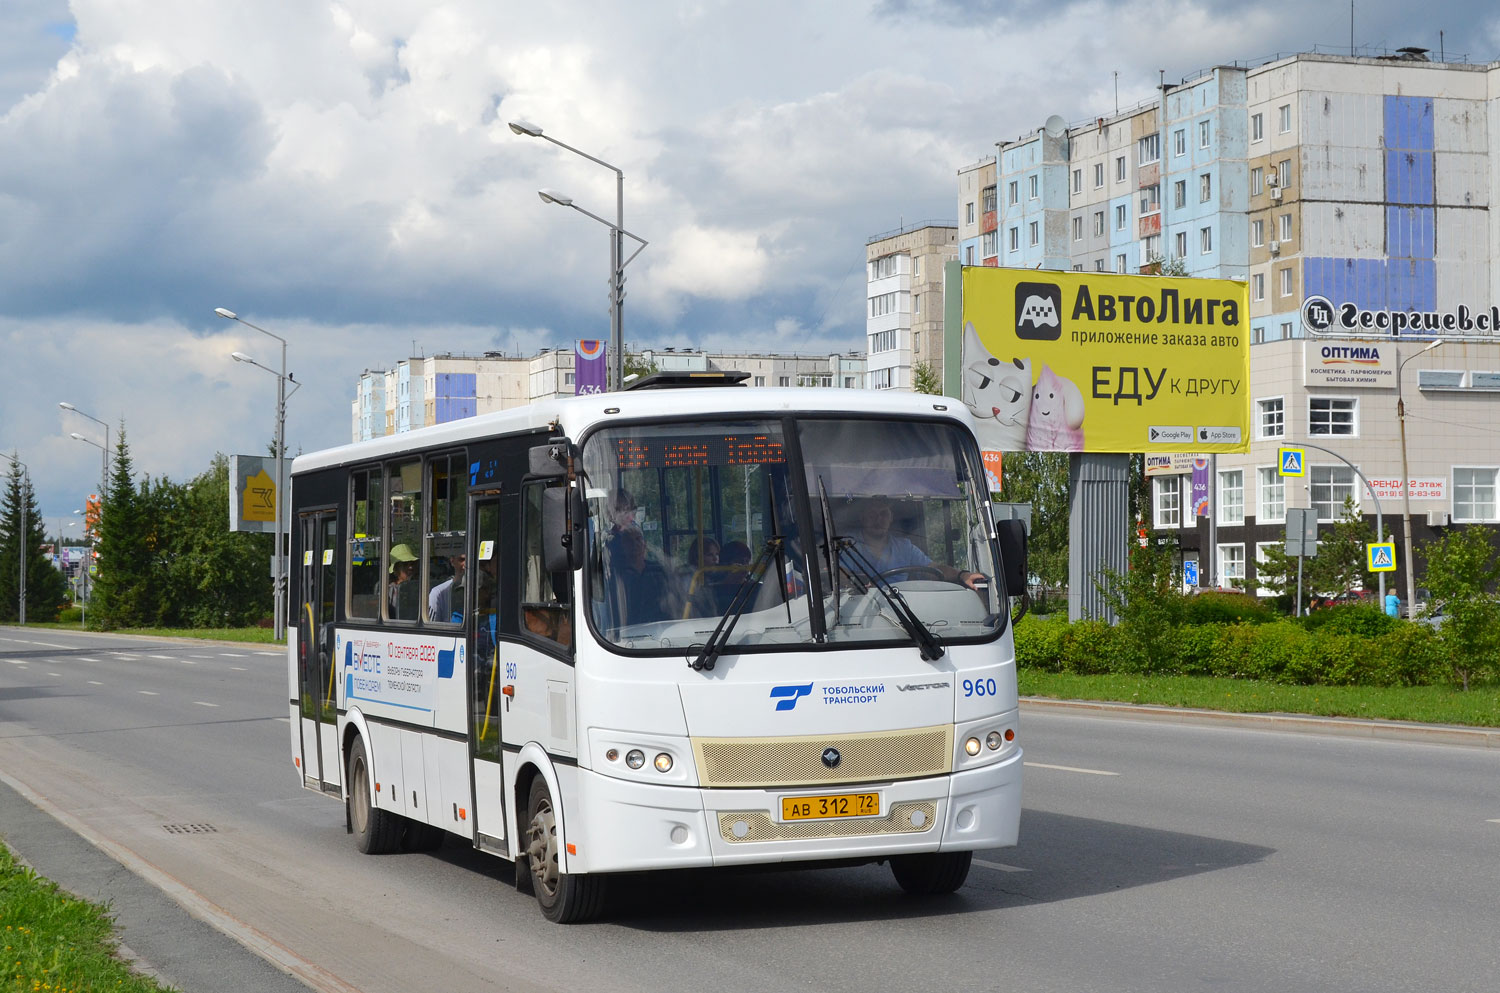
[889,552]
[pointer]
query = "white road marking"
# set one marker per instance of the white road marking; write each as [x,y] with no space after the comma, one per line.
[147,693]
[237,668]
[21,662]
[124,655]
[81,659]
[274,655]
[1069,768]
[54,674]
[167,657]
[48,644]
[200,656]
[187,661]
[1000,866]
[233,655]
[284,720]
[95,682]
[203,704]
[1493,820]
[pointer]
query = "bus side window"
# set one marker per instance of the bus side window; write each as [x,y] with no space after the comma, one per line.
[546,597]
[365,529]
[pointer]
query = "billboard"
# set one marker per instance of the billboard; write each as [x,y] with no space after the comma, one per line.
[252,493]
[1099,362]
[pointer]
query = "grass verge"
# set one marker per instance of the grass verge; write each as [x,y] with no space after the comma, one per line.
[57,943]
[1479,707]
[250,635]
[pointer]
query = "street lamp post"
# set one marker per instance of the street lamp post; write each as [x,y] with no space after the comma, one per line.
[104,467]
[21,538]
[278,557]
[88,563]
[616,253]
[1411,572]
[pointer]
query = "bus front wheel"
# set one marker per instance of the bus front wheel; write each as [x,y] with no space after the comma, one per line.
[933,872]
[565,898]
[376,831]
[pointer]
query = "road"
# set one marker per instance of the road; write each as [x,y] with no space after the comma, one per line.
[1153,857]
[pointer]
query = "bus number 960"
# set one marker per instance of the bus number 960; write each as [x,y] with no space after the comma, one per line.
[980,687]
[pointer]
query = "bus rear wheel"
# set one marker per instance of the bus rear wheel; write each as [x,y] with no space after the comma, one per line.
[931,873]
[376,831]
[565,898]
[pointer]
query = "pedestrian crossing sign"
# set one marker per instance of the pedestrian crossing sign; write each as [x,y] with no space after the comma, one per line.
[1291,461]
[1381,556]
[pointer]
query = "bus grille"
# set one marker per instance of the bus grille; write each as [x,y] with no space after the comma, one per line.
[756,825]
[798,761]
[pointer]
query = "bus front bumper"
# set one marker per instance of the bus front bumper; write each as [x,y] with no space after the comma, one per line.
[624,826]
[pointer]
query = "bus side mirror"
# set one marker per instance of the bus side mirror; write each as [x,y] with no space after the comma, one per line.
[548,461]
[1012,535]
[563,517]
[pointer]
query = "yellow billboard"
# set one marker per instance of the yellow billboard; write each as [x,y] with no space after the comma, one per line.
[1099,362]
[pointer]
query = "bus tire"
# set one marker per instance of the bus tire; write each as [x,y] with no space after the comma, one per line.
[376,831]
[931,873]
[565,898]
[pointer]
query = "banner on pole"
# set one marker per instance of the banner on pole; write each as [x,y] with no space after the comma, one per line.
[590,370]
[252,493]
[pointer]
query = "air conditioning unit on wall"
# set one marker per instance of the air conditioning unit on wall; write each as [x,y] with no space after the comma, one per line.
[1275,248]
[1275,193]
[1438,519]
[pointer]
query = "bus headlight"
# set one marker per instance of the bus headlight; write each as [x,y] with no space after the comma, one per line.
[663,762]
[972,746]
[635,758]
[993,739]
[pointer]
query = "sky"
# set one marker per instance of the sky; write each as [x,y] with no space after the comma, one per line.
[342,174]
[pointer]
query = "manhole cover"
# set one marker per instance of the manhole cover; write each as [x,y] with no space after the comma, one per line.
[190,829]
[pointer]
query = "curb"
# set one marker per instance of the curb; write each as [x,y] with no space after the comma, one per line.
[1432,734]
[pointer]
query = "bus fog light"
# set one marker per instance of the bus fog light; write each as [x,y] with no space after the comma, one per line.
[679,834]
[663,762]
[613,754]
[635,758]
[993,740]
[972,746]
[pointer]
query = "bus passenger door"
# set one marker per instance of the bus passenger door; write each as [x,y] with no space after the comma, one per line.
[487,702]
[315,623]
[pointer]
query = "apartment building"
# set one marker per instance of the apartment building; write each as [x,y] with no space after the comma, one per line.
[904,290]
[1351,194]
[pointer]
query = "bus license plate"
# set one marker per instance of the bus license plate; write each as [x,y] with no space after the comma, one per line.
[807,808]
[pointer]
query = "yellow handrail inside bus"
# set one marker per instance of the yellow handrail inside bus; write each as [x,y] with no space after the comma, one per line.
[489,701]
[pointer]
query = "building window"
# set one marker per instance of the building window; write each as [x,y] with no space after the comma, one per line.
[1205,240]
[1231,566]
[1150,199]
[1205,187]
[1098,222]
[1257,180]
[916,304]
[1257,334]
[760,380]
[1261,548]
[1119,263]
[1015,239]
[1258,286]
[1286,227]
[1121,215]
[1166,501]
[1286,281]
[1271,507]
[969,211]
[1286,330]
[916,341]
[1098,174]
[880,379]
[1031,187]
[1179,142]
[1330,486]
[1179,194]
[968,254]
[1258,232]
[1031,233]
[1203,134]
[1150,248]
[1257,127]
[1149,148]
[1119,168]
[989,243]
[1013,193]
[1271,417]
[1331,416]
[1181,237]
[1284,173]
[848,382]
[1285,114]
[987,195]
[883,304]
[1078,228]
[1474,494]
[884,266]
[1077,180]
[1077,266]
[785,381]
[1098,265]
[882,341]
[1232,496]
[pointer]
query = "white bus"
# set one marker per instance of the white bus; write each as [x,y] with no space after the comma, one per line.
[663,628]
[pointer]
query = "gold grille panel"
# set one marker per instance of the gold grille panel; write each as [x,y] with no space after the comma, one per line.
[758,826]
[798,761]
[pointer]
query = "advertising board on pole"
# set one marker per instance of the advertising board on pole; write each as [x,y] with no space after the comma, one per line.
[590,369]
[1100,362]
[252,493]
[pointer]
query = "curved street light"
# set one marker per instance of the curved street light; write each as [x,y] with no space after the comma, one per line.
[278,557]
[1411,572]
[104,470]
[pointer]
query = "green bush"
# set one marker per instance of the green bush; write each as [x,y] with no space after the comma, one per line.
[1227,608]
[1197,651]
[1362,619]
[1409,655]
[1090,648]
[70,615]
[1039,642]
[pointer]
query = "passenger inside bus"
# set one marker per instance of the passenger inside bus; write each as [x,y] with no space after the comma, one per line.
[403,593]
[446,601]
[647,588]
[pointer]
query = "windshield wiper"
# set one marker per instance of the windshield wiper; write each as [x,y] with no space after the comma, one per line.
[863,569]
[717,641]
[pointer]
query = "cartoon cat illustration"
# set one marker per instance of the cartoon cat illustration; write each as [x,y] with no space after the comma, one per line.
[1056,423]
[998,393]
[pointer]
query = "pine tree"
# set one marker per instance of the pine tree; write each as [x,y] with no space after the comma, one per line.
[123,596]
[46,587]
[10,531]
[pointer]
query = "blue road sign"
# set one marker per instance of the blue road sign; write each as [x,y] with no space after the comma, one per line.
[1190,572]
[1291,461]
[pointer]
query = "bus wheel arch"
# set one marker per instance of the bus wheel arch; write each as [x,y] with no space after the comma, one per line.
[564,897]
[376,831]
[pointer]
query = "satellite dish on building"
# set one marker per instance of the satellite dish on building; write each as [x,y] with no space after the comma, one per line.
[1055,127]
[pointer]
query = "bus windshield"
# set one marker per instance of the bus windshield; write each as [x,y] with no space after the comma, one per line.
[799,531]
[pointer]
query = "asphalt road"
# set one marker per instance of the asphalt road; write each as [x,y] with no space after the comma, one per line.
[1153,857]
